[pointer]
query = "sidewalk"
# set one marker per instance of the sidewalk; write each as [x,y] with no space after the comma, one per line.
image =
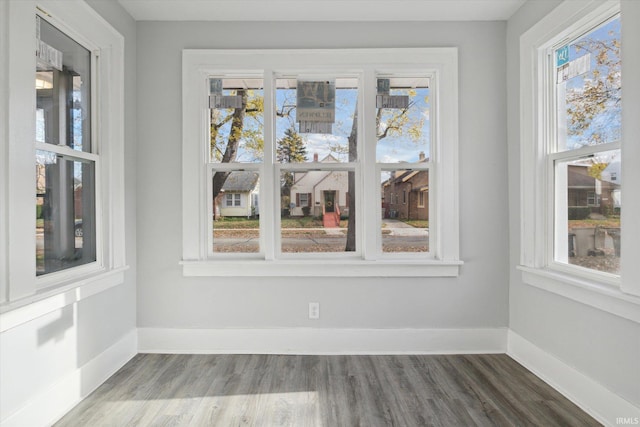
[399,228]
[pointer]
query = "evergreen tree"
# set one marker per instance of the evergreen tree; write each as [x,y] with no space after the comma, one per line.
[290,149]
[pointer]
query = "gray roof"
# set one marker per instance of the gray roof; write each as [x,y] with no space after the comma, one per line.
[241,181]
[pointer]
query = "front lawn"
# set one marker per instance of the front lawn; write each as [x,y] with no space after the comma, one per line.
[592,223]
[291,222]
[417,223]
[233,222]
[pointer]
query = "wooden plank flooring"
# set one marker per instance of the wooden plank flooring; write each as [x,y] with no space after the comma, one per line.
[283,390]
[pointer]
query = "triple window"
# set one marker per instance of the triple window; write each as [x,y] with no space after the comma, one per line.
[325,149]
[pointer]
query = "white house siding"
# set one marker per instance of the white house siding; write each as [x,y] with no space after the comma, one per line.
[243,210]
[315,182]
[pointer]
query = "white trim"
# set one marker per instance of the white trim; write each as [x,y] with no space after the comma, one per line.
[322,268]
[21,241]
[595,399]
[49,406]
[630,274]
[322,341]
[4,148]
[442,66]
[24,310]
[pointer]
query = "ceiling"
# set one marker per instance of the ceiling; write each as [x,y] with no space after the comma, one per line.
[321,10]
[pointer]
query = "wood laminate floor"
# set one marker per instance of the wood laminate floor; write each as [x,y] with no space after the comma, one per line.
[283,390]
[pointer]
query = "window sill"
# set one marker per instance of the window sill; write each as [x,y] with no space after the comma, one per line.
[17,312]
[601,296]
[321,268]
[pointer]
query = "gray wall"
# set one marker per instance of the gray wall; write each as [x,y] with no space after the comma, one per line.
[598,344]
[478,298]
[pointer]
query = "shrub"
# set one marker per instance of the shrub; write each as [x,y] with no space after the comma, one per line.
[579,212]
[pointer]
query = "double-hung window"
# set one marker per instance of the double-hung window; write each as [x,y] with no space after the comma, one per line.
[584,149]
[64,145]
[572,146]
[326,141]
[66,158]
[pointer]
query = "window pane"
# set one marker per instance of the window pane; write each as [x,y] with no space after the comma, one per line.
[63,90]
[403,119]
[236,120]
[592,197]
[65,212]
[236,221]
[322,126]
[405,210]
[589,92]
[316,213]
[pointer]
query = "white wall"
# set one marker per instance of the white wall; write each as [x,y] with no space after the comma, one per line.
[47,364]
[476,299]
[602,346]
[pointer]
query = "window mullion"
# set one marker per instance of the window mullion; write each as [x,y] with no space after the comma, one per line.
[558,250]
[268,195]
[371,210]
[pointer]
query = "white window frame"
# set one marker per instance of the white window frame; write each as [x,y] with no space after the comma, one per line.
[233,200]
[594,288]
[593,200]
[92,157]
[366,64]
[307,202]
[421,198]
[20,286]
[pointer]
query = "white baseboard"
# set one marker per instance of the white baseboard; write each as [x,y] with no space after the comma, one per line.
[50,405]
[322,341]
[599,402]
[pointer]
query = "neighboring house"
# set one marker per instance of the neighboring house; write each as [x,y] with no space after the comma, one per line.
[405,195]
[613,175]
[239,195]
[321,191]
[600,195]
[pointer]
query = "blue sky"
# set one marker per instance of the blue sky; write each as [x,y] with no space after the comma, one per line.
[392,149]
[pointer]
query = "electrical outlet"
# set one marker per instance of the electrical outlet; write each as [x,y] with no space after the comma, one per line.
[314,310]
